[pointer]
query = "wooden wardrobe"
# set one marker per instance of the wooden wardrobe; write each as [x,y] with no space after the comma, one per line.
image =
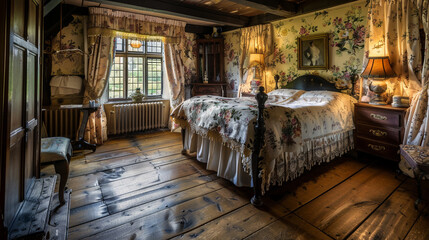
[20,65]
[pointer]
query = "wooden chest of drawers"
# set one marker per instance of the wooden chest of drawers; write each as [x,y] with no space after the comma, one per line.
[217,89]
[379,130]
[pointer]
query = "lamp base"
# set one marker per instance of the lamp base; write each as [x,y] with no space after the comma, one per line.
[378,87]
[377,100]
[254,86]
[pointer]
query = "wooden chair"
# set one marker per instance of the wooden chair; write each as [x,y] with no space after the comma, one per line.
[57,151]
[418,159]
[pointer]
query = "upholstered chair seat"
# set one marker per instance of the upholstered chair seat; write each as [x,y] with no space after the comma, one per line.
[58,151]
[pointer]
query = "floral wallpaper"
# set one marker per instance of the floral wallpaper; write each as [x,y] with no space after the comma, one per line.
[346,26]
[69,63]
[232,70]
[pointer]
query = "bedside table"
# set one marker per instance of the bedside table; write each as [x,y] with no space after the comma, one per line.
[379,129]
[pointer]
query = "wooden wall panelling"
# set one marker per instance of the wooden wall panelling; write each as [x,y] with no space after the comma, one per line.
[20,103]
[4,19]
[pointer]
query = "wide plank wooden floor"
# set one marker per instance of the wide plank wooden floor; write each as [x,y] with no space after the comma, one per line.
[141,187]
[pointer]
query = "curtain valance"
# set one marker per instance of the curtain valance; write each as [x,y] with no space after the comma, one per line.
[113,23]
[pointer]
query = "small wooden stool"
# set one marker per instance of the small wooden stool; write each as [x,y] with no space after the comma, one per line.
[418,159]
[57,151]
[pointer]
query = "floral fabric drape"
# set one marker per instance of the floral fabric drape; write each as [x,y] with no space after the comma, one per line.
[416,130]
[256,38]
[100,60]
[175,72]
[113,23]
[108,22]
[423,7]
[393,30]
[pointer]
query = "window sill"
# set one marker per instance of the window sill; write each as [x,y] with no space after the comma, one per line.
[130,101]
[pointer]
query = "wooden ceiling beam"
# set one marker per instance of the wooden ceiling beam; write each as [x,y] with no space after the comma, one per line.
[49,6]
[276,7]
[180,10]
[263,19]
[197,29]
[316,5]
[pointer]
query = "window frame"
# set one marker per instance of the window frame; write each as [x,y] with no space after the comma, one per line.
[125,53]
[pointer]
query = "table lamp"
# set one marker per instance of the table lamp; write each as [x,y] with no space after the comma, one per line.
[256,61]
[379,69]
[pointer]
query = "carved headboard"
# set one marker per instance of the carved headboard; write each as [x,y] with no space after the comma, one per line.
[310,83]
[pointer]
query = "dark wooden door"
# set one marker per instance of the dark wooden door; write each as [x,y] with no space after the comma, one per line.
[22,107]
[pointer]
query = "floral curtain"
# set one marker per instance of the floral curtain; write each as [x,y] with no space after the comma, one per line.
[255,39]
[394,31]
[175,72]
[112,23]
[108,22]
[416,130]
[100,60]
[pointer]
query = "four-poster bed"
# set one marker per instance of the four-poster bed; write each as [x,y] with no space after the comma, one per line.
[275,138]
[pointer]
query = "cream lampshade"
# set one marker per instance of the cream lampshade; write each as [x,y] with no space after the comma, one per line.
[379,69]
[256,59]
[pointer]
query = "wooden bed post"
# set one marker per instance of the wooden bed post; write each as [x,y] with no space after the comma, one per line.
[261,97]
[183,140]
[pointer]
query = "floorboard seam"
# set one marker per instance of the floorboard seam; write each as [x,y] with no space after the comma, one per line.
[214,219]
[344,180]
[373,211]
[148,214]
[104,200]
[140,158]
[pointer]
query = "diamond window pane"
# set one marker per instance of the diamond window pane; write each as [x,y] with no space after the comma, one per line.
[119,45]
[135,74]
[154,78]
[154,47]
[138,64]
[135,46]
[116,79]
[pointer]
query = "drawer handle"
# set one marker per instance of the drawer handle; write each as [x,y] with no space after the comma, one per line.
[376,147]
[378,133]
[378,116]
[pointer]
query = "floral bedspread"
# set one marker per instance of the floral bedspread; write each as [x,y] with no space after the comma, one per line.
[296,122]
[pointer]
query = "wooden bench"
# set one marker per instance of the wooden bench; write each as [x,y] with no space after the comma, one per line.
[417,158]
[41,215]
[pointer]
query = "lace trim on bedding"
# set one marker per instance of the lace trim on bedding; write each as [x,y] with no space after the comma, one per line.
[214,135]
[288,165]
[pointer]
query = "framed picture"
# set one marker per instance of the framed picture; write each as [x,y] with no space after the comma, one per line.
[313,52]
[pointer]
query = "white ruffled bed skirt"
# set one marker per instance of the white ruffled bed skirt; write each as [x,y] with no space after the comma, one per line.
[228,163]
[220,158]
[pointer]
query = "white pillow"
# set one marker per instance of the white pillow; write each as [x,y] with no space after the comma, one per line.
[285,92]
[319,96]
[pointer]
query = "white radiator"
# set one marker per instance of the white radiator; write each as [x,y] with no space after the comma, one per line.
[61,122]
[135,117]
